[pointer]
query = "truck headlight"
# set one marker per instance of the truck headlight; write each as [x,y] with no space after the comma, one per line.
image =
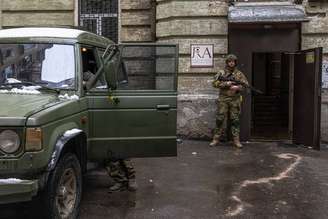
[33,139]
[9,141]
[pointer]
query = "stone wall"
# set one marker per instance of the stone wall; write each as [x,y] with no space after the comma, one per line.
[194,22]
[15,13]
[137,19]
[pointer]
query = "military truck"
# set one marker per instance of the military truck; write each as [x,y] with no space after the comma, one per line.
[53,121]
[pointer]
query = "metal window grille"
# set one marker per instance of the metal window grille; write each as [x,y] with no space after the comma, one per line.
[100,17]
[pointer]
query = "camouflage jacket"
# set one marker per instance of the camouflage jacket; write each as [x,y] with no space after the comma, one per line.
[224,87]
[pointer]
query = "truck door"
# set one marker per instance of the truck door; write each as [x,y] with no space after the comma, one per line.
[138,118]
[307,97]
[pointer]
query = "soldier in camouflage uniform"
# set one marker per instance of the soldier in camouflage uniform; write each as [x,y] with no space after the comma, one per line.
[229,101]
[123,174]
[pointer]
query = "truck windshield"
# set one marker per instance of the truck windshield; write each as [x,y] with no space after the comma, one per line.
[47,65]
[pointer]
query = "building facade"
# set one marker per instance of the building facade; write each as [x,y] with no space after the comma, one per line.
[210,22]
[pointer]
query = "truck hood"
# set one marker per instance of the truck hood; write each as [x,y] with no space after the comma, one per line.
[16,107]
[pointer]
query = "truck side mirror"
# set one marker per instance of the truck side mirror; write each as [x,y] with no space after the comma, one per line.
[111,68]
[122,74]
[111,61]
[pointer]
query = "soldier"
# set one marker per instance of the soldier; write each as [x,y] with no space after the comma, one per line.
[87,77]
[229,100]
[123,174]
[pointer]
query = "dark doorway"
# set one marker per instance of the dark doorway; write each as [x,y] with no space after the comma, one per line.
[270,57]
[266,40]
[270,110]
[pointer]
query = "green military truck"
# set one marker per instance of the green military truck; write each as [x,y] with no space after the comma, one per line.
[53,121]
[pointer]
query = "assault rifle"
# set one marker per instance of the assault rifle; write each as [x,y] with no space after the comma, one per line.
[237,82]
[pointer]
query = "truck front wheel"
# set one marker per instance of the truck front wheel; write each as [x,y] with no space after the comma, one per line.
[63,193]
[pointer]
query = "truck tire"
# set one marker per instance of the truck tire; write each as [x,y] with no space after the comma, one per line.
[63,191]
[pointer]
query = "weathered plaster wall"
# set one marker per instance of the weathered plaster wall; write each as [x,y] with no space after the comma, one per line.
[137,21]
[35,12]
[194,22]
[196,107]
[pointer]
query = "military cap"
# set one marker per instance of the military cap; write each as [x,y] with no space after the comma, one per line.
[231,57]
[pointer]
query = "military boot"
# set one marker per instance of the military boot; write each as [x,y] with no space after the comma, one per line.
[215,141]
[118,186]
[132,185]
[237,143]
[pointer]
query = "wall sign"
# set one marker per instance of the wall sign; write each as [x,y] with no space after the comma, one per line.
[202,55]
[325,75]
[309,57]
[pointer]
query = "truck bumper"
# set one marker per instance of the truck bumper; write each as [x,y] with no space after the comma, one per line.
[16,190]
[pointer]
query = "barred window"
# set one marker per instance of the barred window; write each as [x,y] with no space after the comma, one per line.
[100,17]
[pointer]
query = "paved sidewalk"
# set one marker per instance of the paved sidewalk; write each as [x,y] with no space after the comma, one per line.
[264,180]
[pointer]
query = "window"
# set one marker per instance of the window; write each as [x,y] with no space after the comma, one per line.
[90,68]
[100,17]
[50,65]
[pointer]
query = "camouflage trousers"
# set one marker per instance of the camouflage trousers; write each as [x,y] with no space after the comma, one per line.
[121,171]
[228,108]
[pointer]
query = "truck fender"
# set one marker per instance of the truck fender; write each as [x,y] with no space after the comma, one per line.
[60,145]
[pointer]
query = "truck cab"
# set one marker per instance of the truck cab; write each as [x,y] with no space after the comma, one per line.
[68,97]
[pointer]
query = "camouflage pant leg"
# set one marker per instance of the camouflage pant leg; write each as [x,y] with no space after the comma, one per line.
[116,171]
[234,114]
[120,170]
[221,117]
[131,173]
